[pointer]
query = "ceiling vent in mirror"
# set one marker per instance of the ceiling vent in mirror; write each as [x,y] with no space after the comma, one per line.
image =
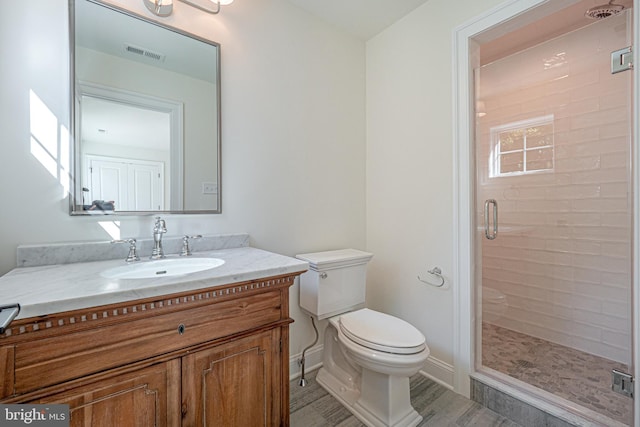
[146,53]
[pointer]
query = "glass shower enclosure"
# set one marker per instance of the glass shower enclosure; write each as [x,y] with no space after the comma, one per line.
[554,212]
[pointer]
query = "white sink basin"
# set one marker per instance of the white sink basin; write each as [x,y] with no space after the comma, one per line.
[162,268]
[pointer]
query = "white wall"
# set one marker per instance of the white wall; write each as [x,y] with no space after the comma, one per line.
[293,132]
[409,164]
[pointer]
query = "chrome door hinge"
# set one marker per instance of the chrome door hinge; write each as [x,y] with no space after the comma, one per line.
[622,60]
[622,383]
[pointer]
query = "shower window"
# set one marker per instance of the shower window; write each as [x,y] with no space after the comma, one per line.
[522,147]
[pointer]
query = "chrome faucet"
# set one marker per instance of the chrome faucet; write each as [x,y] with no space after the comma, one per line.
[159,229]
[186,250]
[133,251]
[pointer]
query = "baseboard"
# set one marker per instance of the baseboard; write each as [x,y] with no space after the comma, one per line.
[438,371]
[313,360]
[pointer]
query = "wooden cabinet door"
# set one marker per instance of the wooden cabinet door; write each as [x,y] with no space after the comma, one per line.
[234,384]
[148,397]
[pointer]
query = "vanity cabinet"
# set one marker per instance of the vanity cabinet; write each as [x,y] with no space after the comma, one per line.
[212,379]
[215,356]
[147,397]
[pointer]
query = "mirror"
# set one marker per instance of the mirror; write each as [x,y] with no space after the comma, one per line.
[146,115]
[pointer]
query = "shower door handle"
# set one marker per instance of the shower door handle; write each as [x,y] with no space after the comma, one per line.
[487,232]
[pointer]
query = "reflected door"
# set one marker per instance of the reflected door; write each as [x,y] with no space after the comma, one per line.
[131,184]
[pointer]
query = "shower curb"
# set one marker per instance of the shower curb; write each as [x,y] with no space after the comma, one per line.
[525,414]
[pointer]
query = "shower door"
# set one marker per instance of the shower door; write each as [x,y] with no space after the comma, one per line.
[554,218]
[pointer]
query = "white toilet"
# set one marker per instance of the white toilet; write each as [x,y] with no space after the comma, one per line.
[368,356]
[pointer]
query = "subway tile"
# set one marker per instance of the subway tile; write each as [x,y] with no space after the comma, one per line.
[575,136]
[605,233]
[586,261]
[582,331]
[543,206]
[615,265]
[587,247]
[619,309]
[620,249]
[615,160]
[613,130]
[578,164]
[581,148]
[562,299]
[575,191]
[601,349]
[599,290]
[608,206]
[615,190]
[559,245]
[573,109]
[613,99]
[600,175]
[611,322]
[587,303]
[576,81]
[621,280]
[615,338]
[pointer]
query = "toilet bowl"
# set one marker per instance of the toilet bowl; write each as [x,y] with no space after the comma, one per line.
[494,305]
[368,359]
[368,356]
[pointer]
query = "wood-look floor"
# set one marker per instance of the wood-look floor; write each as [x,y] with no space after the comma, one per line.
[312,406]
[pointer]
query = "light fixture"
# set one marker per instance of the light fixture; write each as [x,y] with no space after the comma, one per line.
[160,7]
[165,7]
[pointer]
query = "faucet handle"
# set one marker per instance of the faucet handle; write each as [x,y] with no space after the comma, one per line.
[186,250]
[133,252]
[160,226]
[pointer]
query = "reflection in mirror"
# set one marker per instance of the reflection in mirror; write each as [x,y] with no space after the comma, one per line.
[146,110]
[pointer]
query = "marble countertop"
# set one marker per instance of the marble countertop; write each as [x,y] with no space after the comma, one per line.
[55,288]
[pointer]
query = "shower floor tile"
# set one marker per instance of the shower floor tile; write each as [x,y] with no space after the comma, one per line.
[571,374]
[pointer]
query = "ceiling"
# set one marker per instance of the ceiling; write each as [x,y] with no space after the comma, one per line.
[94,29]
[115,123]
[562,21]
[361,18]
[366,18]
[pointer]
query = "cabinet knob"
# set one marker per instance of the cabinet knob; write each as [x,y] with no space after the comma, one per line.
[181,328]
[323,275]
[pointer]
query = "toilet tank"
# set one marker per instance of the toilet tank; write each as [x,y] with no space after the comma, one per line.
[335,282]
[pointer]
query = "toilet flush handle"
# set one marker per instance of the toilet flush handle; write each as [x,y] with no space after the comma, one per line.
[323,275]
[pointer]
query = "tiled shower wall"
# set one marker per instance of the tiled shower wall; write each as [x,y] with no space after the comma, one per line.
[562,256]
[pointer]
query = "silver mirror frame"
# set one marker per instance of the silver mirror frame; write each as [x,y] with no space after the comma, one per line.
[75,190]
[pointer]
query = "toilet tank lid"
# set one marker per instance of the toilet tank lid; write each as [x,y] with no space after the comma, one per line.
[334,258]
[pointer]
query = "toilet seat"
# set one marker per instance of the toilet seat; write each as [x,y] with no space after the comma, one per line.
[381,332]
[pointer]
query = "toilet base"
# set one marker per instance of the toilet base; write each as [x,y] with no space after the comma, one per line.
[384,402]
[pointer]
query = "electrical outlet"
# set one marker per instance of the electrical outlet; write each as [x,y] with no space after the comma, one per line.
[209,188]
